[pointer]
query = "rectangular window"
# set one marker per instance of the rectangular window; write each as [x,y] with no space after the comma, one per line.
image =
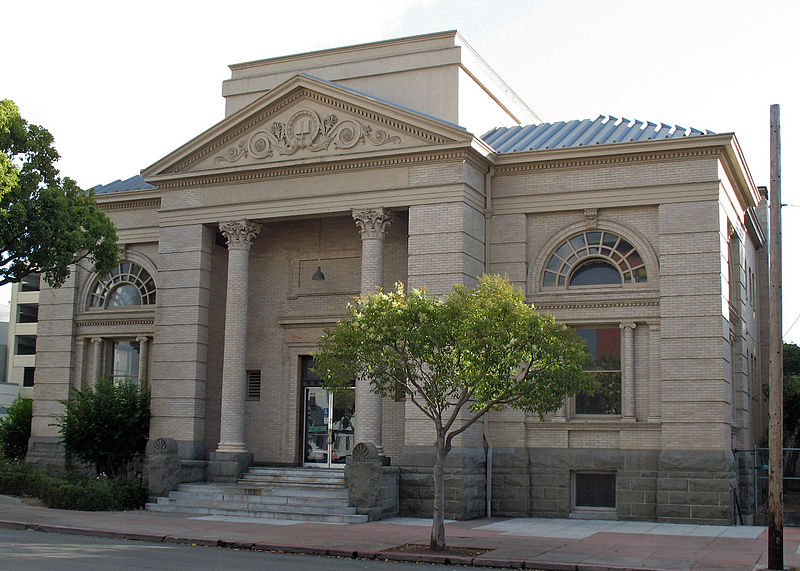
[594,491]
[30,283]
[28,313]
[253,385]
[125,361]
[603,371]
[26,345]
[27,376]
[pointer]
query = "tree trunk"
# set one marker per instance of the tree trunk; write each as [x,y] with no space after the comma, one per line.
[437,529]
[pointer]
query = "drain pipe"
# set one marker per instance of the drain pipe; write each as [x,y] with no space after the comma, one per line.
[488,227]
[489,454]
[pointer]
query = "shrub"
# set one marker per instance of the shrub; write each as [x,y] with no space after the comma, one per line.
[106,426]
[71,491]
[20,479]
[15,429]
[101,494]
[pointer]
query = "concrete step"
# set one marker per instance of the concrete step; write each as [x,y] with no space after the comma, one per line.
[294,515]
[310,494]
[245,505]
[221,491]
[294,478]
[263,499]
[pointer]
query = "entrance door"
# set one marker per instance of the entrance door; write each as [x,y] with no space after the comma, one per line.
[328,429]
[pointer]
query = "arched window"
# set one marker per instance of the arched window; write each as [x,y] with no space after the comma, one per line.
[594,258]
[127,285]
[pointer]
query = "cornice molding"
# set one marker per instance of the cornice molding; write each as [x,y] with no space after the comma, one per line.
[265,172]
[114,322]
[594,304]
[130,204]
[532,164]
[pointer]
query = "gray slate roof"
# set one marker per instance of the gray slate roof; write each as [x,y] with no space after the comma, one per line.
[134,183]
[601,131]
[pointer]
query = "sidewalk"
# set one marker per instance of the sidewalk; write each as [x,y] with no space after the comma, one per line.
[517,543]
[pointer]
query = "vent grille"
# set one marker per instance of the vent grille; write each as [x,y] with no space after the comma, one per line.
[253,385]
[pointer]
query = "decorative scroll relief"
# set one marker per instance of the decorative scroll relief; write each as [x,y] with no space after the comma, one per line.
[305,130]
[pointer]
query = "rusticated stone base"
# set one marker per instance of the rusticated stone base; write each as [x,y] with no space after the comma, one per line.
[47,451]
[465,482]
[686,486]
[696,486]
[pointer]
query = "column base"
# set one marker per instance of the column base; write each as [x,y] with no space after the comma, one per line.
[227,466]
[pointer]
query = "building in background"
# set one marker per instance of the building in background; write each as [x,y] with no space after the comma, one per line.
[22,331]
[8,391]
[336,171]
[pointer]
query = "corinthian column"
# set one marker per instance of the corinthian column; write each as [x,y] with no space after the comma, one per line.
[628,391]
[372,224]
[240,235]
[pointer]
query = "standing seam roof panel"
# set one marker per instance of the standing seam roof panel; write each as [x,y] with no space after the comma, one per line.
[578,133]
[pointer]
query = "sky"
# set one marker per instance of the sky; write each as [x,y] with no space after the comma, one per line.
[120,85]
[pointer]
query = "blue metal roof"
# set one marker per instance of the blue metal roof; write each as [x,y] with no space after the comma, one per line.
[134,183]
[601,131]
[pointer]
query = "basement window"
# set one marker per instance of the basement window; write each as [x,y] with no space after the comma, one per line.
[594,492]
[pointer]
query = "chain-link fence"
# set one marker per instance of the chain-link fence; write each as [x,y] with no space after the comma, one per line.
[759,484]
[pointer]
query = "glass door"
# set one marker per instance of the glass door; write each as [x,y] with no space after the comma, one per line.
[328,428]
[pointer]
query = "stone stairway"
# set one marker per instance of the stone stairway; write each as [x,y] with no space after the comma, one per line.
[309,494]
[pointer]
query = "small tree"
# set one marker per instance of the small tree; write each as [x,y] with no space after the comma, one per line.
[15,429]
[107,425]
[455,359]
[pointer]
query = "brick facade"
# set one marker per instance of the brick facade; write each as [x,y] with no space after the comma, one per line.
[299,156]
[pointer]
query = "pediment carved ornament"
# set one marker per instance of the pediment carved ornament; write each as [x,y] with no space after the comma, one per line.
[305,129]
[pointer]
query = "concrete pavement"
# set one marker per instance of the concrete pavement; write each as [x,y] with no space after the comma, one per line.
[517,543]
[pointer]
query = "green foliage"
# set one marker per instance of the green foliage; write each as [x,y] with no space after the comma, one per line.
[484,348]
[791,393]
[20,479]
[15,429]
[46,222]
[71,491]
[99,494]
[106,425]
[478,349]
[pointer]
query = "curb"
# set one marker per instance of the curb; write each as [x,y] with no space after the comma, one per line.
[405,557]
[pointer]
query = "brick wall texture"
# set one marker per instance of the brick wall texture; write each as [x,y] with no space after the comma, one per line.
[698,352]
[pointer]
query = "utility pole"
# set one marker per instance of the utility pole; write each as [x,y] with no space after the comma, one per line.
[775,517]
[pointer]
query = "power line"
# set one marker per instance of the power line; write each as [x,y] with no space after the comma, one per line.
[792,325]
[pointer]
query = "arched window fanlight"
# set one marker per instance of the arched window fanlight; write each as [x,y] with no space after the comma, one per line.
[128,284]
[594,258]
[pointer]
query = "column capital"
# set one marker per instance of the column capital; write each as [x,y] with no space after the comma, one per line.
[96,339]
[239,233]
[627,325]
[142,338]
[372,223]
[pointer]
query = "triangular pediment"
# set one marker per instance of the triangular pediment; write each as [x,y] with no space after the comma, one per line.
[302,120]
